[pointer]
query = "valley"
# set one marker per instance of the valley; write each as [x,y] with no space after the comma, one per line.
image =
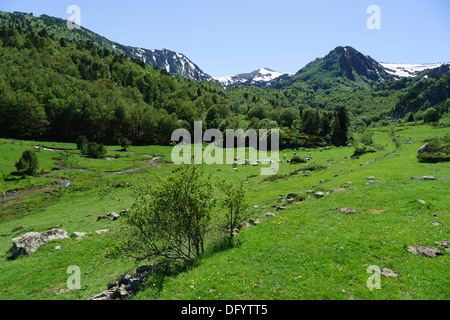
[315,250]
[356,209]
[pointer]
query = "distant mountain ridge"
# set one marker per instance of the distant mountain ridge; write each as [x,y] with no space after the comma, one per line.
[174,63]
[343,65]
[400,70]
[260,78]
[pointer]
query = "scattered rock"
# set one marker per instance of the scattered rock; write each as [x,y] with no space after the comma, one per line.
[421,201]
[426,251]
[387,272]
[30,242]
[291,196]
[319,194]
[372,182]
[444,243]
[112,215]
[370,178]
[337,189]
[348,210]
[17,228]
[78,235]
[436,223]
[58,248]
[126,286]
[269,214]
[102,230]
[254,221]
[423,148]
[423,178]
[279,208]
[106,295]
[64,290]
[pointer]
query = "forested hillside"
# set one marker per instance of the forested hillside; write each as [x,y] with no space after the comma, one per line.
[58,89]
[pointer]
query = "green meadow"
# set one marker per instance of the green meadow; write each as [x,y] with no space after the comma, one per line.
[309,250]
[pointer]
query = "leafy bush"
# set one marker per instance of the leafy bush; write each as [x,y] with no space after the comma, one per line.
[236,205]
[438,151]
[366,138]
[28,164]
[362,150]
[168,220]
[297,159]
[82,144]
[431,115]
[124,143]
[95,150]
[429,157]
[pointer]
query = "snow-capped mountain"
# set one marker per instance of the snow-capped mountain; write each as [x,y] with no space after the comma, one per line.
[407,69]
[259,78]
[175,63]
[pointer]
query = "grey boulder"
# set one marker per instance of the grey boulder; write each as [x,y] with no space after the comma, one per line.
[30,242]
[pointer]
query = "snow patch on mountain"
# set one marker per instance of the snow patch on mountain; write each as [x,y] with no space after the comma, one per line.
[260,77]
[408,69]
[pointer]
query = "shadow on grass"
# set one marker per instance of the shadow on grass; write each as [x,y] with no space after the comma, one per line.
[167,269]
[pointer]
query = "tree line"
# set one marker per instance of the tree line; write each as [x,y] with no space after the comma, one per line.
[59,90]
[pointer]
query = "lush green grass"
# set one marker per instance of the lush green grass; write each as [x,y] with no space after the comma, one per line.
[309,251]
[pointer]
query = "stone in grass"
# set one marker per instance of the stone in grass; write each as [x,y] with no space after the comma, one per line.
[254,221]
[348,210]
[319,194]
[444,243]
[426,251]
[126,286]
[436,223]
[269,214]
[423,178]
[78,235]
[291,196]
[30,242]
[337,189]
[112,215]
[102,230]
[372,182]
[387,272]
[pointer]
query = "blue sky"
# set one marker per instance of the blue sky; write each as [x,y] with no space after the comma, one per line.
[225,37]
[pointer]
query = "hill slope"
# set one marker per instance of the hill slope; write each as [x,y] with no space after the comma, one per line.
[343,64]
[175,63]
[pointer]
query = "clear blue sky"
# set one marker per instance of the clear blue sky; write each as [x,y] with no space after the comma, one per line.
[225,37]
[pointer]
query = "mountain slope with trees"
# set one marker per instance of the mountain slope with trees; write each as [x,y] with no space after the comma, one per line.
[174,63]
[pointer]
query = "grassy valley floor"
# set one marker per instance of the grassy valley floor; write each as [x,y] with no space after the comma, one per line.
[310,250]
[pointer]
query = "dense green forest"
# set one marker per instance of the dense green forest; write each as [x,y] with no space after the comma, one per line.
[59,90]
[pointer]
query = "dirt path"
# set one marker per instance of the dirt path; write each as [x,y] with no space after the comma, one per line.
[18,194]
